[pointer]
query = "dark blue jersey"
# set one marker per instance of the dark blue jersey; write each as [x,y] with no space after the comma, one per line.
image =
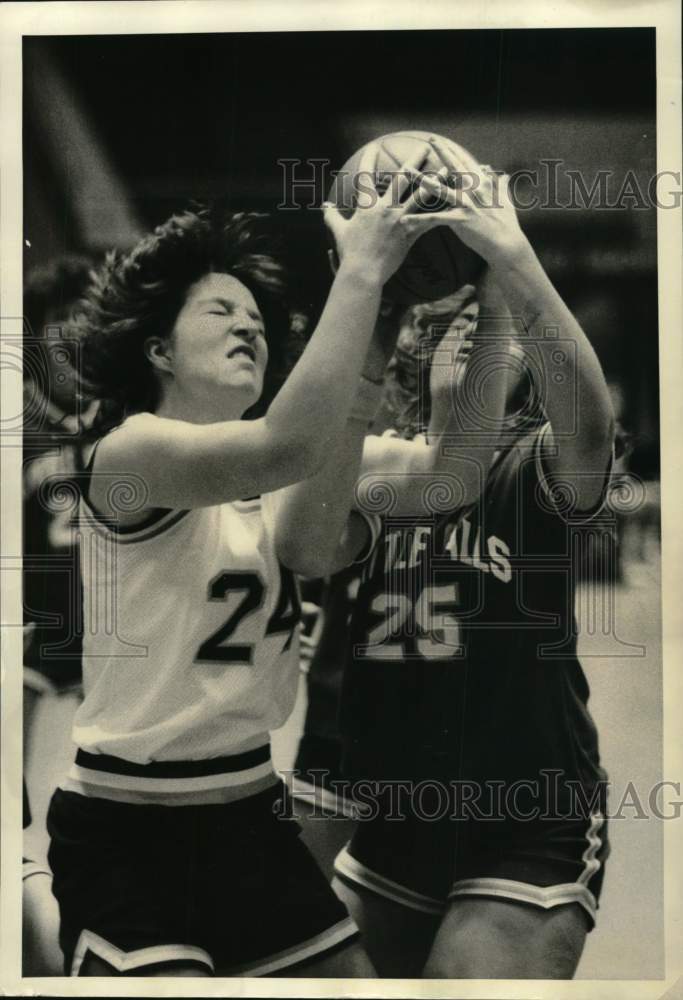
[462,662]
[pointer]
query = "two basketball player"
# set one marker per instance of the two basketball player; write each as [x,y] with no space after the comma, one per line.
[464,713]
[199,662]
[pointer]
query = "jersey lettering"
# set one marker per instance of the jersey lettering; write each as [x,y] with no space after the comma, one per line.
[287,613]
[284,618]
[435,617]
[437,630]
[467,549]
[392,611]
[212,649]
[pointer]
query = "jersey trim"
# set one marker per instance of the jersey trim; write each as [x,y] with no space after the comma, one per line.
[590,861]
[347,867]
[339,933]
[374,524]
[174,768]
[160,522]
[524,892]
[576,516]
[199,782]
[545,896]
[126,961]
[109,525]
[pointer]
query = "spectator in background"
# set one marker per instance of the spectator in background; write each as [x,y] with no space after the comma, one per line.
[56,419]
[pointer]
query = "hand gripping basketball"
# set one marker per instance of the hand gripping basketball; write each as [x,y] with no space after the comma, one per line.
[373,235]
[478,208]
[438,263]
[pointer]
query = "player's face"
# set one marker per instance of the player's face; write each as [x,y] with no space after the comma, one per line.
[460,342]
[218,345]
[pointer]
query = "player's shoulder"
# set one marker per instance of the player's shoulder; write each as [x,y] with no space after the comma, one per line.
[112,485]
[131,428]
[109,442]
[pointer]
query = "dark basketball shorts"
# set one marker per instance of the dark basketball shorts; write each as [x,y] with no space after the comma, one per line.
[425,864]
[316,780]
[228,888]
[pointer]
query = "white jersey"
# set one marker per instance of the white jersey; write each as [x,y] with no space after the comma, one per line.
[190,634]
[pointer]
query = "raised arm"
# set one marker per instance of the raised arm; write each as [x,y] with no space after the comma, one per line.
[318,534]
[186,464]
[577,402]
[574,391]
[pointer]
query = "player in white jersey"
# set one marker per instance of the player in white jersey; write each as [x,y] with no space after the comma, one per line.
[168,849]
[216,675]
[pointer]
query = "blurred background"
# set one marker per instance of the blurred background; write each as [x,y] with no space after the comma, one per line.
[119,131]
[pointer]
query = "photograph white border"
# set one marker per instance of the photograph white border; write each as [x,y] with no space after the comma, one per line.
[195,16]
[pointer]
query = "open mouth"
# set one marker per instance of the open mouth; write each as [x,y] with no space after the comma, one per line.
[244,349]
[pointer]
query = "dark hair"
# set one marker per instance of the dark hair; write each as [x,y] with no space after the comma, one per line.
[50,293]
[139,294]
[55,287]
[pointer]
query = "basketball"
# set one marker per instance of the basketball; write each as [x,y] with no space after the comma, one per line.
[439,263]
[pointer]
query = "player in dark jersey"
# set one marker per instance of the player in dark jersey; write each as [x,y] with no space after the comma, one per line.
[465,721]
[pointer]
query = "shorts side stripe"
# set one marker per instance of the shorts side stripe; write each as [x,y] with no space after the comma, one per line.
[591,863]
[347,867]
[124,961]
[323,942]
[524,892]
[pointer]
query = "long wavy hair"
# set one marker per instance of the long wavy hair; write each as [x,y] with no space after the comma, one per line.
[407,401]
